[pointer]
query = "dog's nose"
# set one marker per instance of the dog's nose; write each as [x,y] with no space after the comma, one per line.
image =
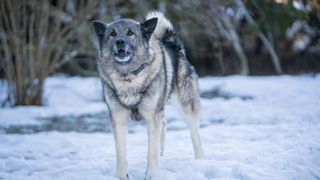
[120,43]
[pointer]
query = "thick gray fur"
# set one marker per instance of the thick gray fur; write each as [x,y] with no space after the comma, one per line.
[142,66]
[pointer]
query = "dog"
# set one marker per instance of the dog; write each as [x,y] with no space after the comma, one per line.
[142,66]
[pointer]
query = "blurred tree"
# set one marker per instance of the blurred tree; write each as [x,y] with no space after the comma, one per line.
[261,36]
[37,37]
[221,37]
[213,25]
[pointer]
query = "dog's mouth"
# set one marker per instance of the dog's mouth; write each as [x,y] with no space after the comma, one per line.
[122,55]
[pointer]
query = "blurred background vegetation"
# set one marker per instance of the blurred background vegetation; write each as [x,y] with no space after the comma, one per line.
[250,37]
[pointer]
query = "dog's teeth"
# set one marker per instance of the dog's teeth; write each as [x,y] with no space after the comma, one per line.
[123,59]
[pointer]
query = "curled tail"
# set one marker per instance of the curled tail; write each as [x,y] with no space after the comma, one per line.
[165,33]
[163,25]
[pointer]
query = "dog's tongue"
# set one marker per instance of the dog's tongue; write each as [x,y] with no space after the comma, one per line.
[121,53]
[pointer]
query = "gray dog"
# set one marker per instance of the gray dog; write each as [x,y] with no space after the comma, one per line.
[142,65]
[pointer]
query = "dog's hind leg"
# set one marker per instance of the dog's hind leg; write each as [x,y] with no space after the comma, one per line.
[188,101]
[192,120]
[163,136]
[191,117]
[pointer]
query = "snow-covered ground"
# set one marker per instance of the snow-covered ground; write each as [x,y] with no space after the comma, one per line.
[251,128]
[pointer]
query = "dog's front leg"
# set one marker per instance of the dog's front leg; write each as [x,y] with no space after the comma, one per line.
[154,127]
[120,129]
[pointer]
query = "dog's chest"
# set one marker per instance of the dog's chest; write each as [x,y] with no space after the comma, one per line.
[130,99]
[129,93]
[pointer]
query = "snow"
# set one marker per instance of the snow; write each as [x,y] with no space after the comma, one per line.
[257,128]
[63,96]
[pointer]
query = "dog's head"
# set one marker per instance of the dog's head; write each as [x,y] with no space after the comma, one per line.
[124,41]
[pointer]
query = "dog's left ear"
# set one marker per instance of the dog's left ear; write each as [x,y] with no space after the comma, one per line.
[148,27]
[100,29]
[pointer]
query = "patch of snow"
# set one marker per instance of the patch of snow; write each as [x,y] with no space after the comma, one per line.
[274,135]
[63,96]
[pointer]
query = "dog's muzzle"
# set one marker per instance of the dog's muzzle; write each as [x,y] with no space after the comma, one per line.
[122,51]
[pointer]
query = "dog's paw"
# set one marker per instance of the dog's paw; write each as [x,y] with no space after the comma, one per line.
[152,178]
[147,177]
[128,177]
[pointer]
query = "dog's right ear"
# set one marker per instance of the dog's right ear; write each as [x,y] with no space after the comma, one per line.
[100,29]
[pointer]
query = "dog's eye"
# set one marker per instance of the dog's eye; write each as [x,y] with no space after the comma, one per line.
[129,33]
[113,33]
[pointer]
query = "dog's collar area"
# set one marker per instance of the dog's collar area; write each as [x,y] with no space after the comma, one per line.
[137,71]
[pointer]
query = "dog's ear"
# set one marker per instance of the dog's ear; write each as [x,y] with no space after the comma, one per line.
[100,29]
[148,27]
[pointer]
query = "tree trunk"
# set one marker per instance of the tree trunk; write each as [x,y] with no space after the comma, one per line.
[228,30]
[36,37]
[263,38]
